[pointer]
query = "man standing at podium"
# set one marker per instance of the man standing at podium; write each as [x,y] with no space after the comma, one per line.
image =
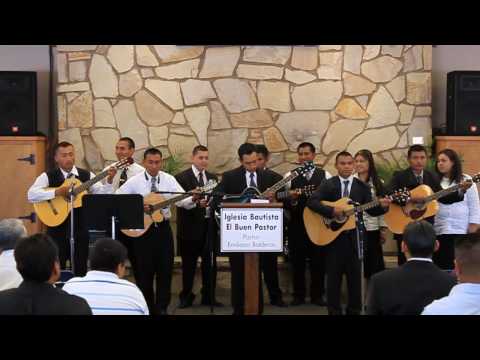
[234,182]
[64,153]
[192,226]
[125,148]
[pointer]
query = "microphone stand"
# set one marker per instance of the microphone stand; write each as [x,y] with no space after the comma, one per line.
[360,250]
[72,237]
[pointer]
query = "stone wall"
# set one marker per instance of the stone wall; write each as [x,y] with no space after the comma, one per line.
[175,97]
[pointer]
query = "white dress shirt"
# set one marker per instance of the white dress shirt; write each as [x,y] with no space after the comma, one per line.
[196,172]
[454,218]
[107,294]
[247,176]
[350,181]
[132,170]
[142,184]
[372,223]
[38,193]
[9,276]
[463,299]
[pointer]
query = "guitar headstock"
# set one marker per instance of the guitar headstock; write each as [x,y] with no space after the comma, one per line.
[476,178]
[211,184]
[309,190]
[400,196]
[124,163]
[305,168]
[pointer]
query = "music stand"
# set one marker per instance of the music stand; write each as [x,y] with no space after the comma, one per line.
[108,211]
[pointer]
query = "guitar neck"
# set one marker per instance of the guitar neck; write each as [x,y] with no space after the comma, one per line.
[277,186]
[170,201]
[363,207]
[442,193]
[87,184]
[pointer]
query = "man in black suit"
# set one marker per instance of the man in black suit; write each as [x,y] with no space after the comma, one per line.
[234,182]
[407,289]
[269,261]
[192,227]
[342,253]
[37,261]
[414,176]
[300,247]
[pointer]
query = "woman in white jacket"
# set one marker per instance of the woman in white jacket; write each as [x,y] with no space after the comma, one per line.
[376,228]
[456,219]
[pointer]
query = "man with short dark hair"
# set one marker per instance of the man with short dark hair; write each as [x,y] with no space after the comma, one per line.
[153,251]
[342,253]
[192,227]
[234,182]
[417,174]
[407,289]
[40,191]
[124,149]
[37,261]
[301,249]
[464,298]
[269,261]
[11,231]
[103,287]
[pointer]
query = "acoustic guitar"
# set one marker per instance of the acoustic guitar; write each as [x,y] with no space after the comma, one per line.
[158,202]
[55,211]
[322,231]
[400,215]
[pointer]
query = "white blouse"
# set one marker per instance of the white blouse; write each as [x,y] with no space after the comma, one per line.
[455,218]
[372,223]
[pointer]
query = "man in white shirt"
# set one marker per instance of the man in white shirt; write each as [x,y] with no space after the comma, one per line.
[124,149]
[11,231]
[65,160]
[464,298]
[103,287]
[153,250]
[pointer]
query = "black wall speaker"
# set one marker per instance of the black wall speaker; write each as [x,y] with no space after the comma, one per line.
[463,103]
[18,103]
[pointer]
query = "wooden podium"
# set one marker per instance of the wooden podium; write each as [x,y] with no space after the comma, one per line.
[252,271]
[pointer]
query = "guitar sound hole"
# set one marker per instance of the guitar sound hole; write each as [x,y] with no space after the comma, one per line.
[416,214]
[336,225]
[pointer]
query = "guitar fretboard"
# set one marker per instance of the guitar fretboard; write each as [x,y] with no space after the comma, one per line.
[363,207]
[170,201]
[274,188]
[87,184]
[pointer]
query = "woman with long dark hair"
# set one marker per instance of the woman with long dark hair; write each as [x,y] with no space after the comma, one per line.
[453,220]
[376,229]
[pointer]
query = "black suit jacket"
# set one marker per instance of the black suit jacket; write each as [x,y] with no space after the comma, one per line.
[191,224]
[406,178]
[406,290]
[234,181]
[32,298]
[331,190]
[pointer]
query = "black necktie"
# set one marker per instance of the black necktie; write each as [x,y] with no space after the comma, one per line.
[345,189]
[252,180]
[200,179]
[154,189]
[419,180]
[123,178]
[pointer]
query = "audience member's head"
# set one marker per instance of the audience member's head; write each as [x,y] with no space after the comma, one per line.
[11,230]
[419,240]
[37,259]
[108,255]
[467,258]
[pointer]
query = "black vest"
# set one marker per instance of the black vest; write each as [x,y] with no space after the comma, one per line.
[301,181]
[56,179]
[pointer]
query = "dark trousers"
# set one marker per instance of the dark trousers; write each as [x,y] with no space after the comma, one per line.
[400,255]
[209,274]
[61,235]
[153,254]
[373,254]
[342,258]
[269,267]
[237,266]
[445,254]
[302,249]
